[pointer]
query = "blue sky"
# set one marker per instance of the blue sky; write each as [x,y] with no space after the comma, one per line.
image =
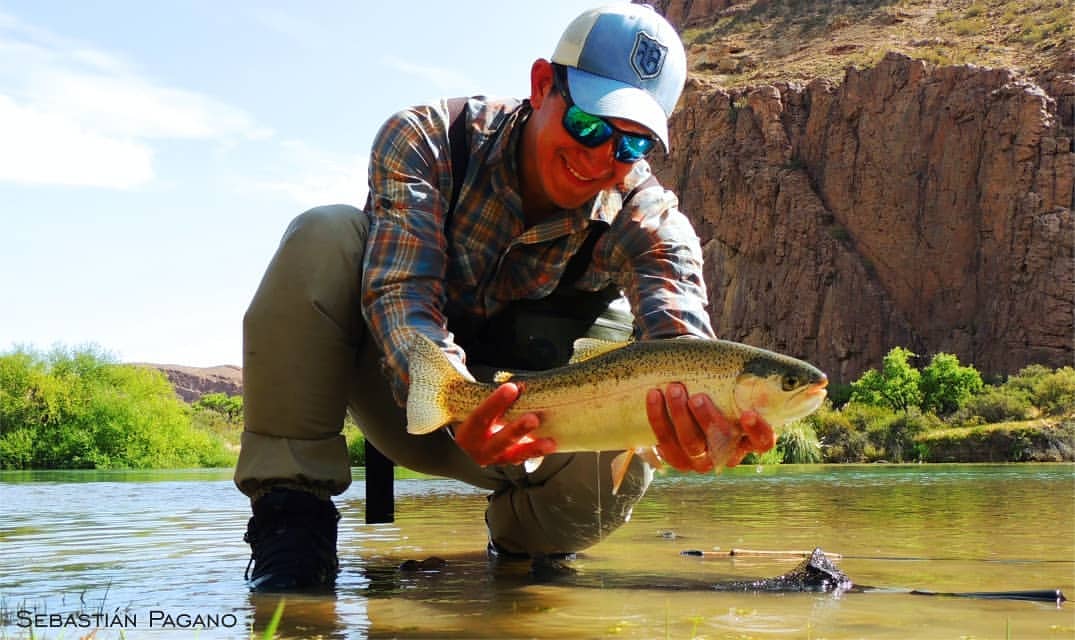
[151,153]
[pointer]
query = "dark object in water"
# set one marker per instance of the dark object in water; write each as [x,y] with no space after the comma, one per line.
[1035,595]
[815,573]
[432,563]
[818,573]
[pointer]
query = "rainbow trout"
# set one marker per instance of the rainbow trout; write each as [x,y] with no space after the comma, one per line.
[597,402]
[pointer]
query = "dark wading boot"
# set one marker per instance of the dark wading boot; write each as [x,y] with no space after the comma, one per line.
[292,539]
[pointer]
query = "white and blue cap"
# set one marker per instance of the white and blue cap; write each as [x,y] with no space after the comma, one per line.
[624,61]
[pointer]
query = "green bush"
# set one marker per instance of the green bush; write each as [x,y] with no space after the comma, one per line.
[798,444]
[997,404]
[79,409]
[896,436]
[229,407]
[946,385]
[840,440]
[896,386]
[356,442]
[1054,393]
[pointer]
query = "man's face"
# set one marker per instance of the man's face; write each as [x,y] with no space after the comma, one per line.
[570,173]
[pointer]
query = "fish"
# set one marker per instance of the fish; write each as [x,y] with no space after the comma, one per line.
[597,401]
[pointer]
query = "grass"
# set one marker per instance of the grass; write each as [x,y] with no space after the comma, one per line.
[274,622]
[787,40]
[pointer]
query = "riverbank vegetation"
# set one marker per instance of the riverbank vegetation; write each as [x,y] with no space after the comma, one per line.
[944,412]
[80,409]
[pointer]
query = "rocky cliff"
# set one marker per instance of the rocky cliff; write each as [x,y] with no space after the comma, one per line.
[191,383]
[905,204]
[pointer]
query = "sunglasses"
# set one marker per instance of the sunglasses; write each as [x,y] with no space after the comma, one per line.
[593,131]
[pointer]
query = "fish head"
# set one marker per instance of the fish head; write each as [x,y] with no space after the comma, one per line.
[781,389]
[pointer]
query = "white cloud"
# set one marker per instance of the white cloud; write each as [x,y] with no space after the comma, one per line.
[42,148]
[439,77]
[71,114]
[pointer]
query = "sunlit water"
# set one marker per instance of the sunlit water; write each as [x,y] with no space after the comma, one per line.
[160,555]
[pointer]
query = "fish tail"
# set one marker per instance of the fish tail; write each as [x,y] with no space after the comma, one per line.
[431,374]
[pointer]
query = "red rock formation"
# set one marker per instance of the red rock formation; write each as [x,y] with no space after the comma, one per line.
[191,383]
[908,205]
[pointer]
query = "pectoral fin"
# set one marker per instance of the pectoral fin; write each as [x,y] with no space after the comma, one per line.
[619,469]
[649,454]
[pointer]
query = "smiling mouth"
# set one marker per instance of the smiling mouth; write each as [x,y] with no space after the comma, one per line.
[578,176]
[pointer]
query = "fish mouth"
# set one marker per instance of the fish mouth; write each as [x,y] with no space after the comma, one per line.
[818,388]
[808,399]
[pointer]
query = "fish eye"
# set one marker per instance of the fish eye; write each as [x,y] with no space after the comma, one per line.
[790,382]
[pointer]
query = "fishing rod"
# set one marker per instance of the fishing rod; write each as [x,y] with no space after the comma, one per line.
[791,555]
[1035,595]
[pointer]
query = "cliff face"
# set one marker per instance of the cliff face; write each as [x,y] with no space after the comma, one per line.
[912,205]
[191,383]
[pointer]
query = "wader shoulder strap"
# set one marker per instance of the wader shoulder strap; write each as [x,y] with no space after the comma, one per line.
[459,148]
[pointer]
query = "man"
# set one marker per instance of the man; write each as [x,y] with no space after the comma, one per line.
[539,224]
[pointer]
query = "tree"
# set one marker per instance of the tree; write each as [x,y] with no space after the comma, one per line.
[946,385]
[896,386]
[230,407]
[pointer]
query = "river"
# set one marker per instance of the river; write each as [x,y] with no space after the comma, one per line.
[160,555]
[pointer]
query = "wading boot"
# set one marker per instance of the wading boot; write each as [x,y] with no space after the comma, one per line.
[292,539]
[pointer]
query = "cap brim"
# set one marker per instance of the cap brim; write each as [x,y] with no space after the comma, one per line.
[602,96]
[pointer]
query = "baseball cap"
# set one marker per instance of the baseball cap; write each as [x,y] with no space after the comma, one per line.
[624,61]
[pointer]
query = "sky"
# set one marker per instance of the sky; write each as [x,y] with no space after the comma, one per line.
[152,153]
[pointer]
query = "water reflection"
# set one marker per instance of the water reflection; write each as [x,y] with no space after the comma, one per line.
[136,543]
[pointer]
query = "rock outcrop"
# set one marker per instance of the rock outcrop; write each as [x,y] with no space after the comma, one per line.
[910,205]
[191,383]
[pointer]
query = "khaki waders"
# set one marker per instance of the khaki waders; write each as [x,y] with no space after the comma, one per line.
[307,358]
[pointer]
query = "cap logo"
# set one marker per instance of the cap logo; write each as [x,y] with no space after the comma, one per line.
[647,56]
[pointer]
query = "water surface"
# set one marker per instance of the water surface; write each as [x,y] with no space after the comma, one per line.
[160,555]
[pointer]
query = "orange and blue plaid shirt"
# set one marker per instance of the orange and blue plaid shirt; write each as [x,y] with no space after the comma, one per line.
[416,274]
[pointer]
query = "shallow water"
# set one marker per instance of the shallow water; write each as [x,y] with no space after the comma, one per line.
[160,555]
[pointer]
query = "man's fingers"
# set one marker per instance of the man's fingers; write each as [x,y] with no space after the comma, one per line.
[688,433]
[509,435]
[523,451]
[757,431]
[667,444]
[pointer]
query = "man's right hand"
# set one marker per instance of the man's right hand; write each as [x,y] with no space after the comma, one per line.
[485,438]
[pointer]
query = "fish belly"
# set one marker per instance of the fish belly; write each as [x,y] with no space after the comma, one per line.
[608,423]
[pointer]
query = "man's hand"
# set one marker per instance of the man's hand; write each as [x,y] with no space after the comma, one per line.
[486,439]
[688,428]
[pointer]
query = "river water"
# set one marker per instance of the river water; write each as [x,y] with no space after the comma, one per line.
[160,555]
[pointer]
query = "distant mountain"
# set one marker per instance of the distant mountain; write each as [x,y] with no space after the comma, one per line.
[191,383]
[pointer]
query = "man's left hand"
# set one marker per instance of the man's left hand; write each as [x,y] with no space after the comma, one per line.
[689,427]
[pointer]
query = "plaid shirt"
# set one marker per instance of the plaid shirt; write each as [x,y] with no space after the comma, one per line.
[415,275]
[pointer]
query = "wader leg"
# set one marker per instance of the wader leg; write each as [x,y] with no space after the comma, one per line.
[300,339]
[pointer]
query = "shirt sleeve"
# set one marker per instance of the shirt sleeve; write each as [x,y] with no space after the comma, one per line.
[661,260]
[405,260]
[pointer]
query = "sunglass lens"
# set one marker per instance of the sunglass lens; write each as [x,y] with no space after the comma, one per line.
[633,148]
[588,129]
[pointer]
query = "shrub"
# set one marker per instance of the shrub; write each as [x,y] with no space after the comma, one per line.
[798,444]
[946,385]
[1054,393]
[998,404]
[896,386]
[79,409]
[839,440]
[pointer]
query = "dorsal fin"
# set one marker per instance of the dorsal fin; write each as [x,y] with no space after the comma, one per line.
[586,348]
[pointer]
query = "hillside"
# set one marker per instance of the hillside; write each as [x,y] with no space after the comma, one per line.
[192,383]
[882,173]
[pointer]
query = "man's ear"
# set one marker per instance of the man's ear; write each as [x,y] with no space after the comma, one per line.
[540,82]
